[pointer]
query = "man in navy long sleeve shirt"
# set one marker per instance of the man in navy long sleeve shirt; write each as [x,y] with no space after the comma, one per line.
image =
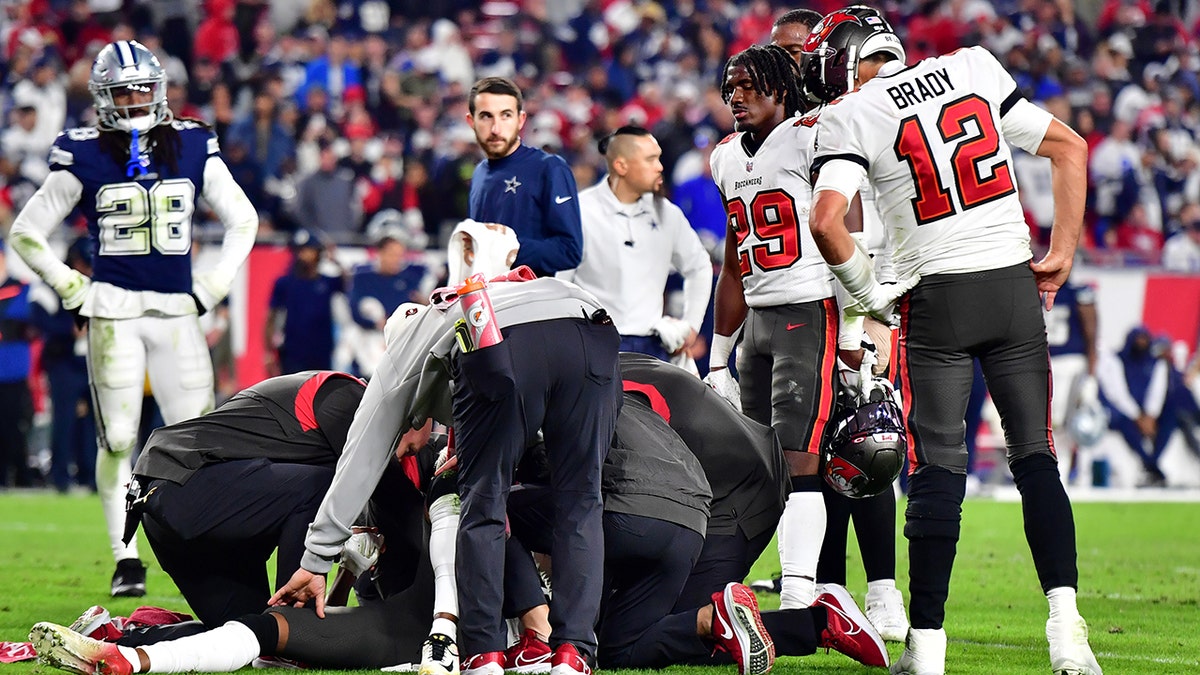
[525,188]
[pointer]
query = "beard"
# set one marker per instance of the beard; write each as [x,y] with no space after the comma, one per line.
[496,150]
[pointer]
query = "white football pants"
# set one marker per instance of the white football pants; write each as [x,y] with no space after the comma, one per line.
[171,350]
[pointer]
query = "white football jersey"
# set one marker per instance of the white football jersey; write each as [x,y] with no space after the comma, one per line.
[767,197]
[933,141]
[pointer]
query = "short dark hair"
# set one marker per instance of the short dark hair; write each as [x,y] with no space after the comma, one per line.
[495,85]
[627,130]
[806,17]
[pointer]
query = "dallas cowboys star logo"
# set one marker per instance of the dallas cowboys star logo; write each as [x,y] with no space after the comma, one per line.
[511,185]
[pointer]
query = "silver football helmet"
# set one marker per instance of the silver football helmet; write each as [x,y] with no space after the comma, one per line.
[127,66]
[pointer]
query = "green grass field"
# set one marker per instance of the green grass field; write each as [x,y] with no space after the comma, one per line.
[1139,565]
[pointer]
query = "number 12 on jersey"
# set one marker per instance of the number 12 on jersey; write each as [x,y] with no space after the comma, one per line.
[974,183]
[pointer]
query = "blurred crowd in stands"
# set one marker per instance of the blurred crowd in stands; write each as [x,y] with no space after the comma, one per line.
[347,120]
[332,113]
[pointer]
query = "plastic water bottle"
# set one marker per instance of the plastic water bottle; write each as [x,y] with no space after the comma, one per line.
[479,313]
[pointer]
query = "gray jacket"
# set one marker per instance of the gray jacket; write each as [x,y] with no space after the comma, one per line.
[649,471]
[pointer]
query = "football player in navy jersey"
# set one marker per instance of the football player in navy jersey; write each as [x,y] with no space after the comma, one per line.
[136,176]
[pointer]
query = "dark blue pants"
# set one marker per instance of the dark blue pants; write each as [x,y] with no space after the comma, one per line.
[561,377]
[645,344]
[72,436]
[1167,422]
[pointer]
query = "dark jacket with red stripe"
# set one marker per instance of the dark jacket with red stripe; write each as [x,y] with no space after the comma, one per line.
[297,419]
[741,458]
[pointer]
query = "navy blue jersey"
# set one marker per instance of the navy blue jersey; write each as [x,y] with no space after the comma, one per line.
[1064,330]
[141,228]
[308,322]
[534,193]
[391,290]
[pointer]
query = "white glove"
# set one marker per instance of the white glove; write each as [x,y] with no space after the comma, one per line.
[672,332]
[683,360]
[1089,389]
[724,384]
[372,310]
[881,301]
[858,277]
[208,289]
[73,289]
[361,551]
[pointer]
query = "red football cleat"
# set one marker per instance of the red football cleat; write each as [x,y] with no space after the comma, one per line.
[848,630]
[738,629]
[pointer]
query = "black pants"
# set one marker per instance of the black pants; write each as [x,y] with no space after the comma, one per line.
[375,634]
[559,376]
[16,418]
[215,534]
[646,563]
[724,558]
[947,322]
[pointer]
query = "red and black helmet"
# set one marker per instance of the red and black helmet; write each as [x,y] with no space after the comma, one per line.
[835,46]
[865,449]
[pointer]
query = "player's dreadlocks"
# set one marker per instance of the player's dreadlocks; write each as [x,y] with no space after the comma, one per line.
[164,145]
[773,72]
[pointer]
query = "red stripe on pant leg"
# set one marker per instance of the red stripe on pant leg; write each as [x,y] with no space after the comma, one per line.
[1050,405]
[905,376]
[828,375]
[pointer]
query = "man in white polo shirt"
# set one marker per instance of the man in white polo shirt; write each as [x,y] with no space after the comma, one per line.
[632,239]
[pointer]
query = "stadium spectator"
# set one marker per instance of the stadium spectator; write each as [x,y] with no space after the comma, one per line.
[264,136]
[333,72]
[63,358]
[300,328]
[245,171]
[21,143]
[1133,386]
[217,37]
[44,89]
[1181,253]
[16,401]
[525,188]
[327,200]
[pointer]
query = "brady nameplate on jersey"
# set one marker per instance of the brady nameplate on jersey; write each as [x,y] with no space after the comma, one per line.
[921,88]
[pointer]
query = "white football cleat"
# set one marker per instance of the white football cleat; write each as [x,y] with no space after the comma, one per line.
[1070,653]
[885,611]
[439,655]
[924,653]
[62,648]
[92,618]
